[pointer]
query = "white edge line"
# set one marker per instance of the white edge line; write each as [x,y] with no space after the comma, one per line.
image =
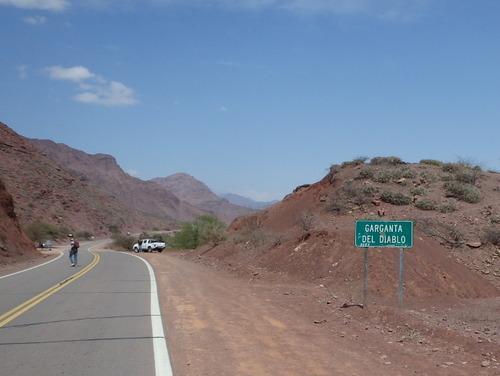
[163,366]
[34,267]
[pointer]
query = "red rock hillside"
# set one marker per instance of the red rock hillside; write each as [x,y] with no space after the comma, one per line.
[15,246]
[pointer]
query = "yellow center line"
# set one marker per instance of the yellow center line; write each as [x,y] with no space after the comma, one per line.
[23,307]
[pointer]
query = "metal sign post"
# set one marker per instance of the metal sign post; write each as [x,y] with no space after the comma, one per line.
[388,234]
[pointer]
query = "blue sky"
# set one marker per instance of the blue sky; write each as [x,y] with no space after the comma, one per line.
[254,97]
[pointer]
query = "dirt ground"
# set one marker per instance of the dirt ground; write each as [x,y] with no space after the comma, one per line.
[219,323]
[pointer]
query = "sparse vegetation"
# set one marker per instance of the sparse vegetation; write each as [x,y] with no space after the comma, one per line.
[452,167]
[448,207]
[426,205]
[306,220]
[366,172]
[123,242]
[418,191]
[41,231]
[396,198]
[450,234]
[206,229]
[431,162]
[492,236]
[463,192]
[355,162]
[470,176]
[393,161]
[369,189]
[85,235]
[336,205]
[354,193]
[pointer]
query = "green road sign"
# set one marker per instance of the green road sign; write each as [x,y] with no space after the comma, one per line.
[395,234]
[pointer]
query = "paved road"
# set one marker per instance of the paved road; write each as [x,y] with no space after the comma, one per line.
[94,319]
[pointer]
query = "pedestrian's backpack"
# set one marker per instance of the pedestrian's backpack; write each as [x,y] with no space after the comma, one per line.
[76,244]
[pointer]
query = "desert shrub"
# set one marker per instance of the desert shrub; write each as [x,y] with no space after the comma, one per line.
[429,176]
[431,162]
[491,235]
[450,234]
[123,242]
[451,167]
[350,189]
[384,176]
[366,173]
[264,239]
[407,173]
[334,169]
[418,191]
[470,176]
[86,235]
[114,228]
[336,205]
[369,189]
[426,205]
[41,231]
[393,161]
[396,198]
[464,192]
[306,220]
[355,162]
[205,229]
[448,207]
[495,219]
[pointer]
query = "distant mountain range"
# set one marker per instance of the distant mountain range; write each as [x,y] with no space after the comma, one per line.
[247,202]
[54,183]
[179,197]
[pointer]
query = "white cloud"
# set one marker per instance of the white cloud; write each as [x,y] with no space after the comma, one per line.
[109,94]
[23,71]
[35,20]
[77,74]
[54,5]
[94,88]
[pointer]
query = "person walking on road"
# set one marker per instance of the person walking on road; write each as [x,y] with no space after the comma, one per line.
[73,253]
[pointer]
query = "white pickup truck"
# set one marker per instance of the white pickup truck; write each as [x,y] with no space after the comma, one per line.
[149,245]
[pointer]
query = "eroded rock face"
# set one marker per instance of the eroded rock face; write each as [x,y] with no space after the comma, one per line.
[14,244]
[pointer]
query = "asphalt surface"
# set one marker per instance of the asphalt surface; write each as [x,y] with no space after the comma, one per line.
[93,319]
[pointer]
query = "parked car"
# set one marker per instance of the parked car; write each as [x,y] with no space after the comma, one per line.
[46,244]
[149,245]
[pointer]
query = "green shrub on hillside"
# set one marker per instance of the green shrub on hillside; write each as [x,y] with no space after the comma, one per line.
[123,242]
[452,167]
[470,176]
[355,162]
[41,231]
[367,172]
[393,161]
[205,229]
[396,198]
[84,235]
[369,189]
[491,235]
[431,162]
[426,205]
[384,176]
[449,207]
[464,192]
[418,191]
